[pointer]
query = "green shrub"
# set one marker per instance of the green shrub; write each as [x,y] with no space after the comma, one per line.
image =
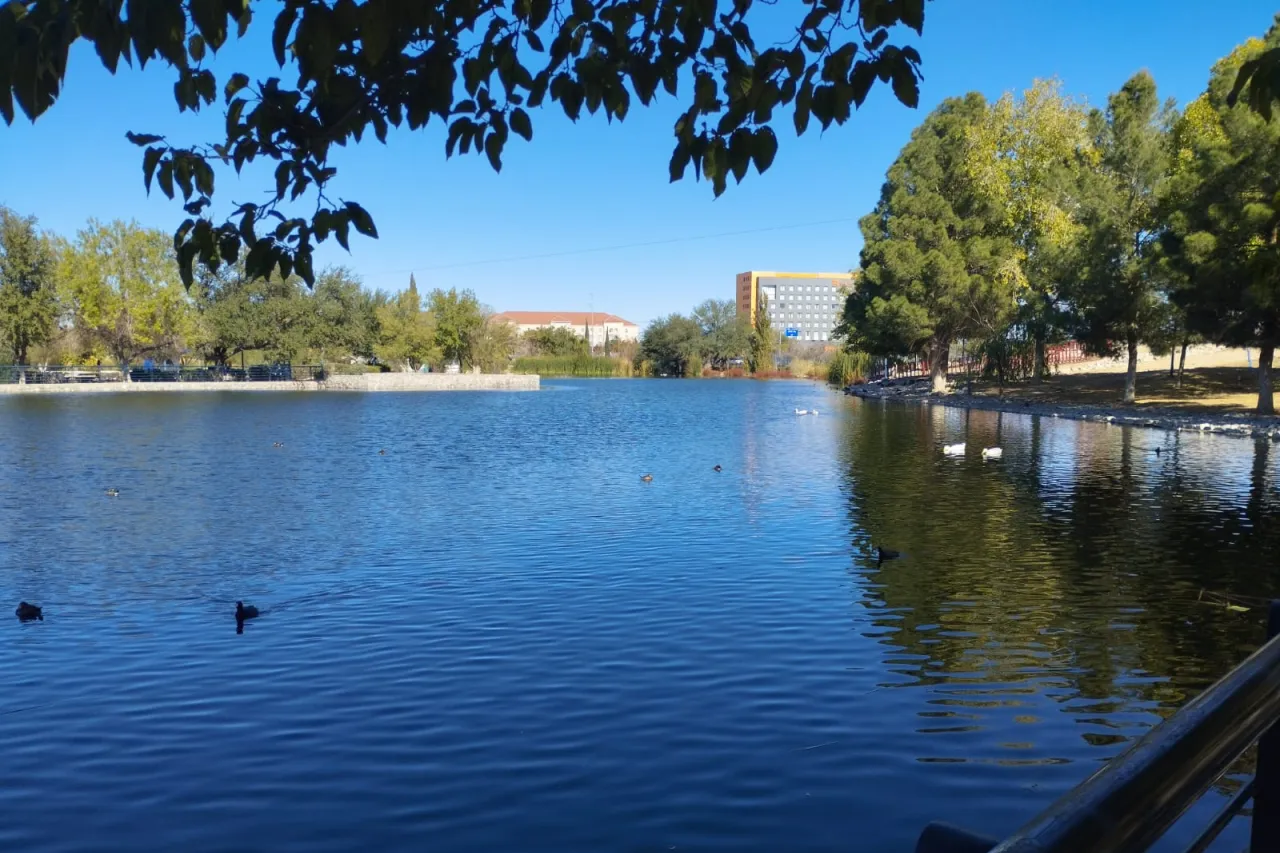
[586,366]
[848,367]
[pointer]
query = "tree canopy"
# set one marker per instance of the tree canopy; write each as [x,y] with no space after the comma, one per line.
[936,262]
[725,334]
[672,345]
[28,302]
[350,69]
[1115,292]
[1224,216]
[1026,157]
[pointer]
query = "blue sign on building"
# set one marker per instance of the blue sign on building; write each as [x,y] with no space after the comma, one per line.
[793,333]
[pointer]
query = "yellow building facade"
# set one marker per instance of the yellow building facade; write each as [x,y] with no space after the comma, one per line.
[805,306]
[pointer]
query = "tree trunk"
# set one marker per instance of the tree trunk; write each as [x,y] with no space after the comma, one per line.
[1038,364]
[1131,374]
[1172,353]
[1266,405]
[1182,360]
[938,352]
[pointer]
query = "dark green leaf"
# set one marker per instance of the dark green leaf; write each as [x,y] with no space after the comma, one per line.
[912,14]
[679,161]
[302,265]
[860,81]
[210,18]
[361,219]
[182,173]
[280,32]
[195,47]
[374,30]
[764,146]
[493,150]
[167,27]
[237,82]
[740,153]
[520,124]
[282,180]
[905,86]
[165,177]
[141,139]
[149,161]
[246,225]
[455,133]
[804,101]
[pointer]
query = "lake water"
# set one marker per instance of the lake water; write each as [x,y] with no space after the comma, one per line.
[495,637]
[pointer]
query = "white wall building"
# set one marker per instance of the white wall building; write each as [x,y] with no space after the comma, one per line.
[592,325]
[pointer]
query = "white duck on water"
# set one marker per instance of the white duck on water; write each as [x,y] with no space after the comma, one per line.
[992,452]
[953,449]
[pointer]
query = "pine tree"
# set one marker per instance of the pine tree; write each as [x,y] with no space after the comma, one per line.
[1223,207]
[936,265]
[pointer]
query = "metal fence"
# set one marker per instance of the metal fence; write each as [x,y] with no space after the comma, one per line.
[49,374]
[1055,355]
[1131,802]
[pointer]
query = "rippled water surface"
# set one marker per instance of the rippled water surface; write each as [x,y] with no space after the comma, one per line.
[495,637]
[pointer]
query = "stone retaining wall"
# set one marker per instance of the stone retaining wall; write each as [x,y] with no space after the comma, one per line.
[358,383]
[433,382]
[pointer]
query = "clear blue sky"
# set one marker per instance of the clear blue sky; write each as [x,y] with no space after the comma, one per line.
[455,223]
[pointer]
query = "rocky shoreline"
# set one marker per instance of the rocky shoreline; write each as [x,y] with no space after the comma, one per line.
[1242,424]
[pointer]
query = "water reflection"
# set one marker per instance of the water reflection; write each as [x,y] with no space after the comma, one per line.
[1059,581]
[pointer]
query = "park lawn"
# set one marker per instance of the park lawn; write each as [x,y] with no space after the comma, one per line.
[1203,390]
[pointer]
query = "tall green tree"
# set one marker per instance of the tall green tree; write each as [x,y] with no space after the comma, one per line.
[671,345]
[121,286]
[1026,156]
[351,70]
[344,319]
[936,263]
[725,334]
[237,313]
[493,343]
[28,296]
[1224,217]
[406,333]
[1117,292]
[556,340]
[458,319]
[762,341]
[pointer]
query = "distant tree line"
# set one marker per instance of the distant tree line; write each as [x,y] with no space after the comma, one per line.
[112,294]
[713,335]
[1015,224]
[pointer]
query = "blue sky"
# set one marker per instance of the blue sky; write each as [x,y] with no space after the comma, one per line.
[455,223]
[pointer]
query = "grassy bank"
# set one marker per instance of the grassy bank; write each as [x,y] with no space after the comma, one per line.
[1206,390]
[580,366]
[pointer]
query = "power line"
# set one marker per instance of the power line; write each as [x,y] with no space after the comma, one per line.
[614,248]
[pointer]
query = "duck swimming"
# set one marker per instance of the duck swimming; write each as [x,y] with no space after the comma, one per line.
[243,612]
[717,469]
[648,478]
[278,444]
[382,452]
[27,612]
[992,452]
[953,449]
[883,554]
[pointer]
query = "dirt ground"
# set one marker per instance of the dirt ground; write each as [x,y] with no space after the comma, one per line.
[1217,379]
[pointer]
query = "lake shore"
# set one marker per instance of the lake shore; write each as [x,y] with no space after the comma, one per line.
[357,383]
[1016,400]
